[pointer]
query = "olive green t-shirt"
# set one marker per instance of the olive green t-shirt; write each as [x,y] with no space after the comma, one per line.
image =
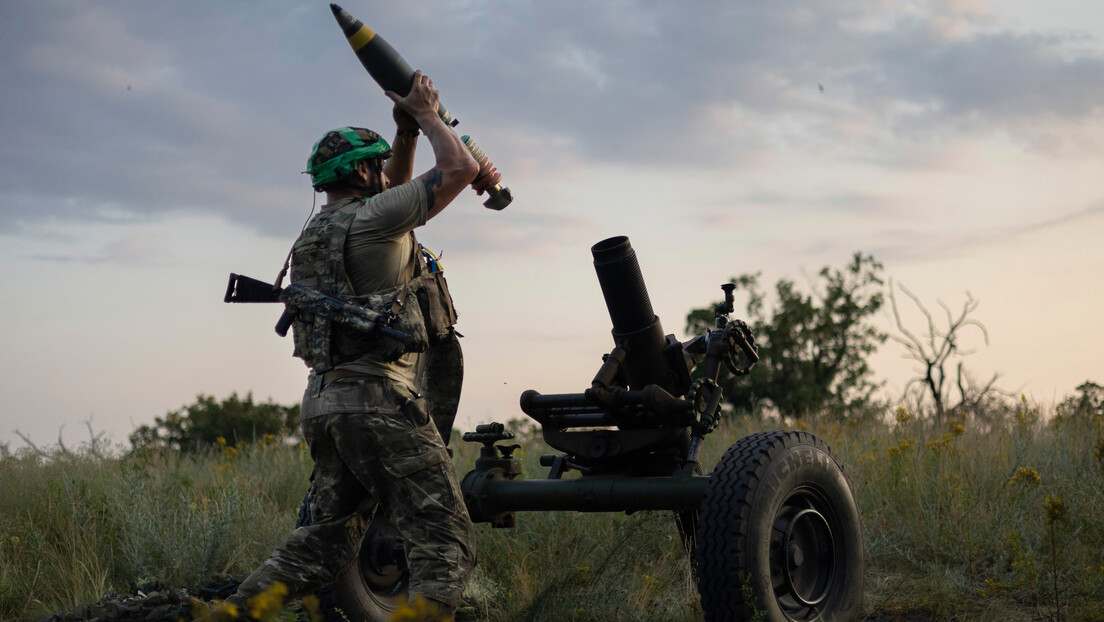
[380,254]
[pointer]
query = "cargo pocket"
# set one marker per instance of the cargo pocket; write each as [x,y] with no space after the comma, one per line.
[416,412]
[405,466]
[422,490]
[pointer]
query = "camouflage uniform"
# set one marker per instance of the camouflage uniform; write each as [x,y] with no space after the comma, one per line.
[374,444]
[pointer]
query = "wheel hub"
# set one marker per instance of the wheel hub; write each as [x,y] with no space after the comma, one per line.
[382,561]
[807,550]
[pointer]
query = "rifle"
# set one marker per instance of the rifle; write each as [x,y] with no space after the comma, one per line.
[300,300]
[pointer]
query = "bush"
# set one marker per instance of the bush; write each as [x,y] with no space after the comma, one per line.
[208,423]
[812,346]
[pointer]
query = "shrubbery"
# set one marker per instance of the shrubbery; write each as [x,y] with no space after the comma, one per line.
[208,423]
[812,345]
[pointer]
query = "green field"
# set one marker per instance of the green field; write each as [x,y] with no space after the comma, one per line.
[994,518]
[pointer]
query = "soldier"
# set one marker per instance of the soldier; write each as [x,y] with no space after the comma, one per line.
[370,434]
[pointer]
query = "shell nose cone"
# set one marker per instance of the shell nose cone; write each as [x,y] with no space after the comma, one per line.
[344,19]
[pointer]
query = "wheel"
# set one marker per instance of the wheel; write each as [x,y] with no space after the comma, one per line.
[779,536]
[372,588]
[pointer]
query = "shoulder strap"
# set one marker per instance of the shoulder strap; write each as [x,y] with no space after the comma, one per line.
[416,252]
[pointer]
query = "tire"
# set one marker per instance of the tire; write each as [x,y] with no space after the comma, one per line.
[779,536]
[375,585]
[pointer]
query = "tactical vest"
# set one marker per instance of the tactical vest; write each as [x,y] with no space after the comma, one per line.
[422,307]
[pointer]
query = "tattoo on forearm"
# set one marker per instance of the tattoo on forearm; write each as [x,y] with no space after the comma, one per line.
[432,179]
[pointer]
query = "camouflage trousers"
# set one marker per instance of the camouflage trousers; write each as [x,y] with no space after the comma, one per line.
[374,448]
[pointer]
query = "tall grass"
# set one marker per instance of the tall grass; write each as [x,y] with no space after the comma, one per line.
[960,517]
[1001,519]
[77,525]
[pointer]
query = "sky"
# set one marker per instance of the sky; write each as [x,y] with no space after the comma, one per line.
[151,148]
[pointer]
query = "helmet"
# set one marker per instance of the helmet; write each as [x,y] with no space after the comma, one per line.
[337,154]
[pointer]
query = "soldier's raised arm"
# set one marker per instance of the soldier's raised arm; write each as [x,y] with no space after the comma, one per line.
[455,168]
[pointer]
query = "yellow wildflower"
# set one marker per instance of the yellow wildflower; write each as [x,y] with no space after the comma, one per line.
[939,444]
[313,607]
[417,610]
[901,447]
[1028,476]
[582,574]
[268,602]
[1055,509]
[992,588]
[903,415]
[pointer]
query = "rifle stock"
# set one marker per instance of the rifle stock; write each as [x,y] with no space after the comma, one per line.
[244,289]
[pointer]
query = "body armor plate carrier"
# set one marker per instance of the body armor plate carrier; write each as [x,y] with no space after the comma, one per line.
[422,307]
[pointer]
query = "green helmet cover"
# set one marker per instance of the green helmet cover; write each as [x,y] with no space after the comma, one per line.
[336,154]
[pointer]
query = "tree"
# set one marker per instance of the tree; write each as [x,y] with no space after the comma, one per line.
[1088,403]
[935,349]
[203,423]
[812,347]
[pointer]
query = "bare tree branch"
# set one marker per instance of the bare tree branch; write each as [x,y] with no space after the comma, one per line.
[937,349]
[34,447]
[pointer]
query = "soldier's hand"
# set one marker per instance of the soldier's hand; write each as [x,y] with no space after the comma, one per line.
[487,177]
[403,121]
[422,98]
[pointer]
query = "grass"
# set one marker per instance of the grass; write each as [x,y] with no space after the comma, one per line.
[77,525]
[994,518]
[957,521]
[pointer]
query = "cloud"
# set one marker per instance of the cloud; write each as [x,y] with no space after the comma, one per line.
[990,81]
[124,251]
[105,111]
[899,244]
[620,87]
[1050,223]
[209,107]
[540,234]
